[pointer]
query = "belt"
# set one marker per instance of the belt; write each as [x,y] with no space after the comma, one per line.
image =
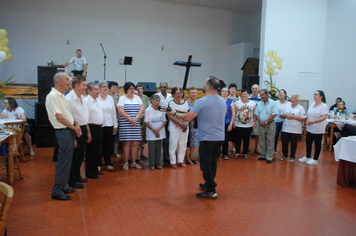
[95,125]
[62,129]
[270,122]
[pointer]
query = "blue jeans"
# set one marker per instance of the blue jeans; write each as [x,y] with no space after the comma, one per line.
[278,130]
[65,139]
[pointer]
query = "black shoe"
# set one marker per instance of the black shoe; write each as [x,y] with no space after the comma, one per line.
[99,173]
[68,190]
[202,187]
[81,180]
[92,177]
[76,185]
[61,196]
[261,158]
[207,195]
[268,161]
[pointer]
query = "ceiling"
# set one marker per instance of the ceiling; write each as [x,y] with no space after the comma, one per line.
[248,6]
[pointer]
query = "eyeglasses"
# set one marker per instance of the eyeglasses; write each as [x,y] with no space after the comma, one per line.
[178,94]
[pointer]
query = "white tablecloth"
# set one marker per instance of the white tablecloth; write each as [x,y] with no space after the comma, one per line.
[2,124]
[340,123]
[345,149]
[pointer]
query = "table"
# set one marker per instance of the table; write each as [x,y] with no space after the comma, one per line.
[344,151]
[333,123]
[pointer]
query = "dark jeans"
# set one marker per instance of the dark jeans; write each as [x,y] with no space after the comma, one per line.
[166,145]
[93,150]
[65,138]
[242,134]
[78,156]
[107,141]
[348,130]
[209,152]
[278,130]
[316,138]
[293,140]
[225,145]
[155,153]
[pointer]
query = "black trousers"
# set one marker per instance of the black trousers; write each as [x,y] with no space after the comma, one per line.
[242,134]
[316,138]
[348,130]
[166,145]
[107,141]
[293,140]
[78,156]
[94,150]
[225,145]
[209,152]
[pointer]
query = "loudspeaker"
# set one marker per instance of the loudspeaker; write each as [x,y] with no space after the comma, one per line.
[149,88]
[222,85]
[45,136]
[41,116]
[45,82]
[248,81]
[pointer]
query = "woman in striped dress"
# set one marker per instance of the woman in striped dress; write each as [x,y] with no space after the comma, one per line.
[130,108]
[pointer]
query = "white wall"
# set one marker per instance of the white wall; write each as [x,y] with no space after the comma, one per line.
[38,31]
[296,29]
[339,52]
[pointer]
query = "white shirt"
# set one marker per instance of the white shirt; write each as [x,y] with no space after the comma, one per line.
[77,108]
[180,108]
[293,126]
[316,113]
[244,116]
[109,111]
[280,108]
[164,101]
[19,111]
[78,62]
[156,119]
[95,112]
[125,100]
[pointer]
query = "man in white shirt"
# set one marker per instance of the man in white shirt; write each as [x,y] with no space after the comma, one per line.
[80,114]
[80,65]
[66,129]
[94,148]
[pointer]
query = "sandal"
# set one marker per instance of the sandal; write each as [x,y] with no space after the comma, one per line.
[159,167]
[152,168]
[137,166]
[237,155]
[226,157]
[189,162]
[126,166]
[109,168]
[246,156]
[182,164]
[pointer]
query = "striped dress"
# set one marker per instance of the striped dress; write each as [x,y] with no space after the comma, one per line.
[127,132]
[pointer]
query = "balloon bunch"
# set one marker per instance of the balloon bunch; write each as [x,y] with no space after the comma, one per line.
[274,63]
[5,54]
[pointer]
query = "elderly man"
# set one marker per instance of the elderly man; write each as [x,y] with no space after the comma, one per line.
[210,112]
[80,65]
[265,112]
[80,114]
[94,148]
[66,129]
[255,96]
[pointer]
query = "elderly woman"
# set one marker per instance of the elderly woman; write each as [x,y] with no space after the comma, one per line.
[317,114]
[178,129]
[141,145]
[107,105]
[130,109]
[294,116]
[113,87]
[229,120]
[281,104]
[193,136]
[12,111]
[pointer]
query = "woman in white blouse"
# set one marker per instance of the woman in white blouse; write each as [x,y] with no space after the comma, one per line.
[281,104]
[107,105]
[294,115]
[317,114]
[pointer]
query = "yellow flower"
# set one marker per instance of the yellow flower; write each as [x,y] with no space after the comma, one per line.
[1,85]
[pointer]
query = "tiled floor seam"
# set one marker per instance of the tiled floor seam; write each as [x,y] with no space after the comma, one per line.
[81,202]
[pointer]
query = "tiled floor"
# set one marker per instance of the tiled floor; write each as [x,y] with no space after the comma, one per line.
[253,199]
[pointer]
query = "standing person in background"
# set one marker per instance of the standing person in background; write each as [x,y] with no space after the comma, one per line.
[265,113]
[141,145]
[317,114]
[234,98]
[281,104]
[113,87]
[245,121]
[107,105]
[193,136]
[80,65]
[229,120]
[255,96]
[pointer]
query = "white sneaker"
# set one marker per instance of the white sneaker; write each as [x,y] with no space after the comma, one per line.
[118,155]
[32,153]
[303,159]
[312,162]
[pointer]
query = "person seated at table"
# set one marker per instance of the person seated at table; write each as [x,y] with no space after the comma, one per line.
[13,111]
[348,130]
[341,110]
[338,99]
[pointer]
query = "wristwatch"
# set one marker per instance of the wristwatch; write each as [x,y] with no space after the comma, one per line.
[266,123]
[175,114]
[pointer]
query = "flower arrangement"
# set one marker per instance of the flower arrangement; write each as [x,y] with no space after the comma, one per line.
[274,65]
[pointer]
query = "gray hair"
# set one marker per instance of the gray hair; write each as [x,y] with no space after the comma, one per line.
[163,82]
[90,85]
[154,97]
[58,76]
[264,90]
[101,82]
[296,95]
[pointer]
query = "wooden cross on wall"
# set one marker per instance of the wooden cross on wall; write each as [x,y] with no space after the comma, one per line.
[187,64]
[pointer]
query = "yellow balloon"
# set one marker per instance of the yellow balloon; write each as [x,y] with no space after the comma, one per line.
[281,59]
[3,33]
[6,50]
[274,53]
[270,71]
[279,66]
[5,42]
[1,48]
[8,57]
[269,65]
[277,60]
[270,54]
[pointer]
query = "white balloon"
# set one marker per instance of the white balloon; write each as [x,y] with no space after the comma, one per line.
[271,60]
[275,72]
[2,56]
[266,70]
[267,60]
[274,66]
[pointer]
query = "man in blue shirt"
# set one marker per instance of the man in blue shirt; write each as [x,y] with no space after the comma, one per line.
[255,96]
[265,112]
[210,112]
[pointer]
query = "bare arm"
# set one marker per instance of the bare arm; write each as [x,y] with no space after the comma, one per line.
[67,64]
[65,122]
[188,117]
[233,112]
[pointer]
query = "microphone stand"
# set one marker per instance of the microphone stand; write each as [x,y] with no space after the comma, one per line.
[104,60]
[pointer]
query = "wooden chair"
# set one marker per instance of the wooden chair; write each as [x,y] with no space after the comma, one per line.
[6,193]
[21,125]
[16,152]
